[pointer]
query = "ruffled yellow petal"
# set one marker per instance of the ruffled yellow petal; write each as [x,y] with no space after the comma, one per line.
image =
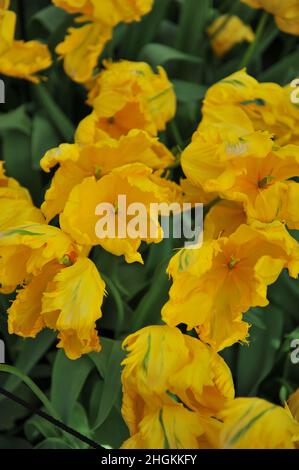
[39,244]
[72,303]
[154,354]
[24,315]
[225,32]
[130,95]
[293,404]
[286,14]
[77,162]
[268,105]
[79,217]
[225,278]
[110,12]
[82,48]
[223,219]
[25,60]
[171,427]
[252,423]
[18,212]
[7,28]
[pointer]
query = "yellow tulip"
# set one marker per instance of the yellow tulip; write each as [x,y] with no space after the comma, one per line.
[77,162]
[83,46]
[61,289]
[129,95]
[165,403]
[225,32]
[286,13]
[293,403]
[18,58]
[138,185]
[16,207]
[223,220]
[245,166]
[110,12]
[225,277]
[268,105]
[81,49]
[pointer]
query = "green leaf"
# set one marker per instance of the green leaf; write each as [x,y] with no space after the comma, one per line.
[31,351]
[193,21]
[54,443]
[118,301]
[255,318]
[16,148]
[283,71]
[113,431]
[79,422]
[188,91]
[37,426]
[148,311]
[158,54]
[33,387]
[68,379]
[44,138]
[11,442]
[48,20]
[144,32]
[259,358]
[62,123]
[16,120]
[111,371]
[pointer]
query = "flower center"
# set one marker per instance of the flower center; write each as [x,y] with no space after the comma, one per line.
[98,172]
[266,181]
[67,260]
[233,262]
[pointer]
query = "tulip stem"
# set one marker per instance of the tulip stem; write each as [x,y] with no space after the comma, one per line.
[62,123]
[252,47]
[176,134]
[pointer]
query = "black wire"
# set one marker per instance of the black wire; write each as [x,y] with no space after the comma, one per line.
[51,420]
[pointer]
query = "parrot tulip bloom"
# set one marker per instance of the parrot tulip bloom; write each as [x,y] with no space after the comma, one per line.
[129,95]
[159,384]
[138,186]
[226,277]
[77,162]
[268,105]
[61,289]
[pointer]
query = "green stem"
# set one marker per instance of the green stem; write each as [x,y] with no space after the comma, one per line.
[33,387]
[258,34]
[62,123]
[176,134]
